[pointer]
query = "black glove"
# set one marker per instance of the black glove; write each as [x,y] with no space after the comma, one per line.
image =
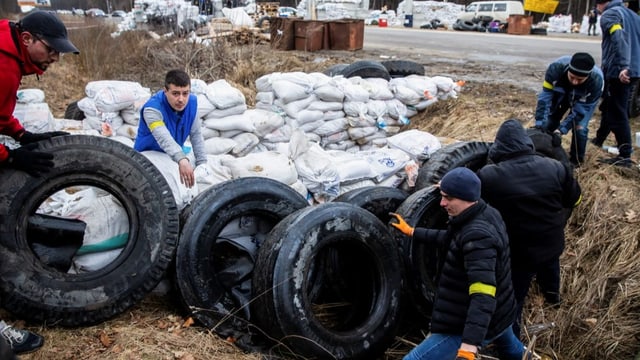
[556,139]
[35,163]
[29,137]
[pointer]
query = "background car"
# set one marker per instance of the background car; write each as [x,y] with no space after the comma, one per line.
[118,13]
[95,13]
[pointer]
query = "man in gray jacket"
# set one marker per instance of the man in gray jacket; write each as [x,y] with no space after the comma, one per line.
[621,68]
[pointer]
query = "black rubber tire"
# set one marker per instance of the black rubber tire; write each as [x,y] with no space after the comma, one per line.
[634,100]
[470,154]
[335,70]
[467,25]
[366,69]
[378,200]
[39,293]
[421,262]
[292,263]
[402,68]
[73,112]
[203,256]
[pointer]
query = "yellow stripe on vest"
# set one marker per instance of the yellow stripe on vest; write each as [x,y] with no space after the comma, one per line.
[547,85]
[480,288]
[578,201]
[155,124]
[615,28]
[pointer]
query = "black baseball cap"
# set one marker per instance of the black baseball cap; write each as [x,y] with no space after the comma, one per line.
[49,27]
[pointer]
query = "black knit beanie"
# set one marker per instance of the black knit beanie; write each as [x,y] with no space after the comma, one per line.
[581,64]
[461,183]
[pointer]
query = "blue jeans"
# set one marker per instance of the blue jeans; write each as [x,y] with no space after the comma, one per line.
[445,347]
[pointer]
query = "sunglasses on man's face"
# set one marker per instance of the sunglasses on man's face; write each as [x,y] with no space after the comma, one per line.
[51,51]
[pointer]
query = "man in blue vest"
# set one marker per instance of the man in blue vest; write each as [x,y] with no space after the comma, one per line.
[167,119]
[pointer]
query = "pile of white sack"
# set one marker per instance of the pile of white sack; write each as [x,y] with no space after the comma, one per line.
[321,135]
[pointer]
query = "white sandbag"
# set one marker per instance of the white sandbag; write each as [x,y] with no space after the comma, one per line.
[296,77]
[332,115]
[332,127]
[130,116]
[198,87]
[307,116]
[356,133]
[230,134]
[310,127]
[245,143]
[318,79]
[355,108]
[219,145]
[232,122]
[353,92]
[351,167]
[361,121]
[171,173]
[264,121]
[385,162]
[378,134]
[340,145]
[88,106]
[314,166]
[128,131]
[302,190]
[116,98]
[211,173]
[209,133]
[340,136]
[204,106]
[281,134]
[35,117]
[325,105]
[405,94]
[288,91]
[377,109]
[418,144]
[92,123]
[329,93]
[422,85]
[378,89]
[422,105]
[107,224]
[397,109]
[344,188]
[293,108]
[269,164]
[93,87]
[223,96]
[234,110]
[263,83]
[394,181]
[30,96]
[265,97]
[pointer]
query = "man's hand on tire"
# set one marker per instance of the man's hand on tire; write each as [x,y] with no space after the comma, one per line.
[29,137]
[25,158]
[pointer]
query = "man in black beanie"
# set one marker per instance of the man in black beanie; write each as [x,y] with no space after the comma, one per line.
[571,83]
[474,303]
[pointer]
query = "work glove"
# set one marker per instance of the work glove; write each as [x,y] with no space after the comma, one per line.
[465,355]
[556,138]
[29,137]
[401,225]
[24,158]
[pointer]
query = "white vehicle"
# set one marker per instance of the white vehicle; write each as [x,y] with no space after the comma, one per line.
[498,10]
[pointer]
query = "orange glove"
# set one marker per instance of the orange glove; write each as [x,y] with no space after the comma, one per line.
[465,355]
[401,225]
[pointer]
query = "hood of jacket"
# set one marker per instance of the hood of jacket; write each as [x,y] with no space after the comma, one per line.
[511,141]
[9,47]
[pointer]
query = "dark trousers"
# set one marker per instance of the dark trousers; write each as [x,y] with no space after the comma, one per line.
[548,278]
[579,131]
[591,26]
[615,115]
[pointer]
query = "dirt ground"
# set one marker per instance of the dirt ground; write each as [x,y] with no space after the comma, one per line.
[154,329]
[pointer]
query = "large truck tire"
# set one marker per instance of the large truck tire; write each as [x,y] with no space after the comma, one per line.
[470,154]
[222,230]
[422,262]
[402,68]
[40,293]
[328,284]
[366,69]
[378,200]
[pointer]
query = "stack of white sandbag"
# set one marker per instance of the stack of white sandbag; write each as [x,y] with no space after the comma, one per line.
[33,112]
[115,103]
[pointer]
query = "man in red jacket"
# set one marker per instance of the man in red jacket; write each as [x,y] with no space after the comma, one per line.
[26,47]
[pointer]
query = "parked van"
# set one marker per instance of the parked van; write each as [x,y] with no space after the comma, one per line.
[498,10]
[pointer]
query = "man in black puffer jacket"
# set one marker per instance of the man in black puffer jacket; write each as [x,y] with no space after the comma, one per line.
[474,302]
[533,194]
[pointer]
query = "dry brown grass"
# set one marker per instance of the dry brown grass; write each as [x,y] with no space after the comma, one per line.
[600,315]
